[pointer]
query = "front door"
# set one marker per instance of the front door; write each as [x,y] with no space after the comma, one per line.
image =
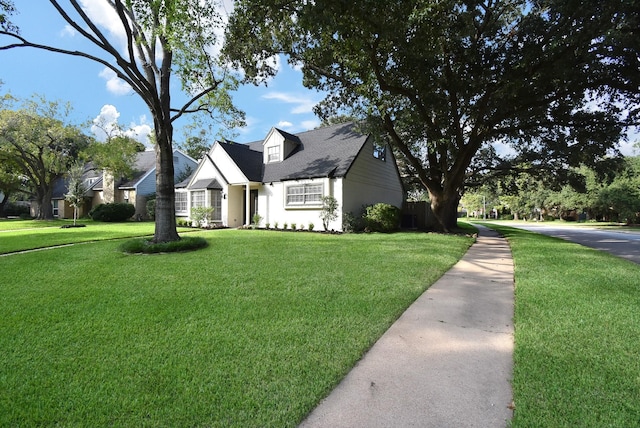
[253,206]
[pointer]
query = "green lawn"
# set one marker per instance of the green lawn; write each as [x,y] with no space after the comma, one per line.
[577,350]
[18,235]
[254,330]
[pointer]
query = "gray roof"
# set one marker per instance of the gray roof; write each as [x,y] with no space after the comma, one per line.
[247,158]
[145,161]
[206,183]
[323,152]
[61,185]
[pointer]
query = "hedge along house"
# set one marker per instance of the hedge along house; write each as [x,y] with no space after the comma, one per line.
[284,177]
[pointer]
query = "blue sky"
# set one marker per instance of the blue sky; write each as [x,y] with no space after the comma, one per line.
[92,92]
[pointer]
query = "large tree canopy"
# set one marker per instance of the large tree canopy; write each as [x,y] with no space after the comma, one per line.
[444,80]
[40,146]
[164,38]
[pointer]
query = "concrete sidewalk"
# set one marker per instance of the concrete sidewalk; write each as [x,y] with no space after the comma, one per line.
[446,362]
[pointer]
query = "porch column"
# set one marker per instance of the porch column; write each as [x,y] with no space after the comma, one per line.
[247,197]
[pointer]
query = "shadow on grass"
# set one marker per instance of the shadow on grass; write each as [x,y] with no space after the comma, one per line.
[147,246]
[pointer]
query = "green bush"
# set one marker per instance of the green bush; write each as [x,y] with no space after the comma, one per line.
[112,212]
[16,210]
[382,218]
[146,246]
[351,223]
[329,211]
[151,209]
[257,218]
[201,216]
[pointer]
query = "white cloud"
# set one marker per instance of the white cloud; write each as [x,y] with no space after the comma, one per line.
[68,31]
[102,14]
[284,124]
[106,124]
[140,131]
[115,85]
[302,104]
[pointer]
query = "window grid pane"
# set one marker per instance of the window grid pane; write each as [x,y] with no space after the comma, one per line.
[273,154]
[181,202]
[304,194]
[216,203]
[197,199]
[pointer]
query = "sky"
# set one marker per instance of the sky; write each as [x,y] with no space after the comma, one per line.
[95,93]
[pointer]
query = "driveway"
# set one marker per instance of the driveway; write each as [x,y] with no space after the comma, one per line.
[625,244]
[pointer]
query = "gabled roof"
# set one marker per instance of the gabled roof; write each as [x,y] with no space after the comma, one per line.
[323,152]
[145,162]
[287,136]
[249,161]
[206,183]
[61,186]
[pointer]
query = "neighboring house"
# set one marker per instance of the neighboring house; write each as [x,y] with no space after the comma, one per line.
[284,177]
[102,188]
[61,207]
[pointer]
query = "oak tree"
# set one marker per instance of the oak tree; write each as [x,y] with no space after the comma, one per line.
[41,147]
[164,39]
[556,80]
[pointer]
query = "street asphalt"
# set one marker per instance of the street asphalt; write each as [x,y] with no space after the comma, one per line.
[446,362]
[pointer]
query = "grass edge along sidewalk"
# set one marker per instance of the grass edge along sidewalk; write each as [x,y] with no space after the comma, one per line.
[252,331]
[577,334]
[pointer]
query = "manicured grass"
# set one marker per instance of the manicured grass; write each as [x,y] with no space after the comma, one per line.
[19,236]
[17,224]
[577,319]
[252,331]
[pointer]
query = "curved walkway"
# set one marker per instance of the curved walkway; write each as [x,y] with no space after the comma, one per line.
[446,362]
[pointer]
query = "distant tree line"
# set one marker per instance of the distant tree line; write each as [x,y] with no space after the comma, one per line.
[613,196]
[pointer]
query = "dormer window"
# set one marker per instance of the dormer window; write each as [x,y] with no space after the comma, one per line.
[273,154]
[380,152]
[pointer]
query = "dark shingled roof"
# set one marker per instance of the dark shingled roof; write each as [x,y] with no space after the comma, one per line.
[145,161]
[248,160]
[206,183]
[323,152]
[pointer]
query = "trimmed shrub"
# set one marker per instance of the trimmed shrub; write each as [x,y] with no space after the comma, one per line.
[382,218]
[112,212]
[201,216]
[16,210]
[143,245]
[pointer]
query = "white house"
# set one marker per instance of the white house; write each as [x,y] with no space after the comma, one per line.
[284,177]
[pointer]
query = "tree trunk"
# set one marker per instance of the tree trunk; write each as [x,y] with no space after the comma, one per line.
[445,211]
[165,230]
[3,203]
[45,210]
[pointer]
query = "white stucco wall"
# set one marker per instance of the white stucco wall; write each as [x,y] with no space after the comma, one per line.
[272,205]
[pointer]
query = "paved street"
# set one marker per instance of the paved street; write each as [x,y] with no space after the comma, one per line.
[625,244]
